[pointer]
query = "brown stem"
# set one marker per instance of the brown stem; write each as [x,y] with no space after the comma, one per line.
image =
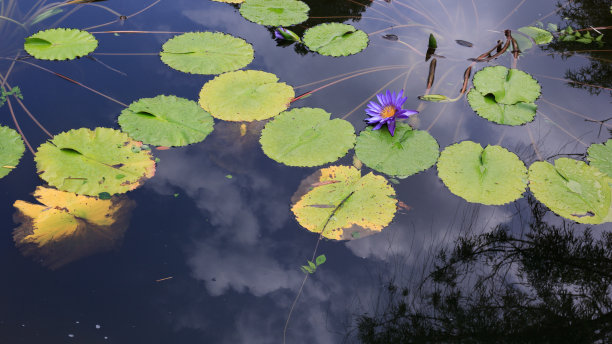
[430,77]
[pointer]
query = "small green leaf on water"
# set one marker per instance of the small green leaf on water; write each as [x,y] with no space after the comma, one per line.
[335,39]
[275,12]
[540,36]
[312,265]
[157,160]
[229,176]
[321,259]
[600,156]
[104,195]
[176,195]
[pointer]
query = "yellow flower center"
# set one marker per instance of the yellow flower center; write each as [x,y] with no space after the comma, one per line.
[387,111]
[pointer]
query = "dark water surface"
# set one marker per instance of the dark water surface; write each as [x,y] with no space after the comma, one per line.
[232,245]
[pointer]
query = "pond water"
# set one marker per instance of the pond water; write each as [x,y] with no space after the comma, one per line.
[212,253]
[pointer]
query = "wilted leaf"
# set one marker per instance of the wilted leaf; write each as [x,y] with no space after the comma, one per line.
[86,162]
[65,227]
[362,205]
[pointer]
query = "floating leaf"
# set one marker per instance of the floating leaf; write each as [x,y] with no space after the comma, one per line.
[321,259]
[249,95]
[67,227]
[206,53]
[406,153]
[166,121]
[361,205]
[540,36]
[11,150]
[307,137]
[275,12]
[600,156]
[508,86]
[515,114]
[572,189]
[335,39]
[491,175]
[87,162]
[60,44]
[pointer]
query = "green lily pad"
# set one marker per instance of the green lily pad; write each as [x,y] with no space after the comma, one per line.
[249,95]
[600,156]
[307,137]
[572,189]
[275,12]
[335,39]
[60,44]
[206,53]
[540,36]
[508,86]
[342,205]
[515,114]
[408,152]
[89,162]
[11,150]
[166,121]
[492,175]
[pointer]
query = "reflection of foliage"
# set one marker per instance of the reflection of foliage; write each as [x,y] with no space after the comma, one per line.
[585,14]
[67,227]
[551,285]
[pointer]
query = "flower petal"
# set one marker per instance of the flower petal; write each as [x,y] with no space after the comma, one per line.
[391,127]
[378,126]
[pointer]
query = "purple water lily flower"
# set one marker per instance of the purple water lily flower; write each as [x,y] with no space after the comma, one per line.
[389,109]
[278,34]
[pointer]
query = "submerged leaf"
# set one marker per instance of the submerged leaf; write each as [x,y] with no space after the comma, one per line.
[572,189]
[11,150]
[406,153]
[491,175]
[249,95]
[307,137]
[275,12]
[600,156]
[362,205]
[335,39]
[540,36]
[67,227]
[87,162]
[206,53]
[60,44]
[508,86]
[515,114]
[166,121]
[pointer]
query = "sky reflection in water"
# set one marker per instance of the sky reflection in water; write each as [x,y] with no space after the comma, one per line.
[232,245]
